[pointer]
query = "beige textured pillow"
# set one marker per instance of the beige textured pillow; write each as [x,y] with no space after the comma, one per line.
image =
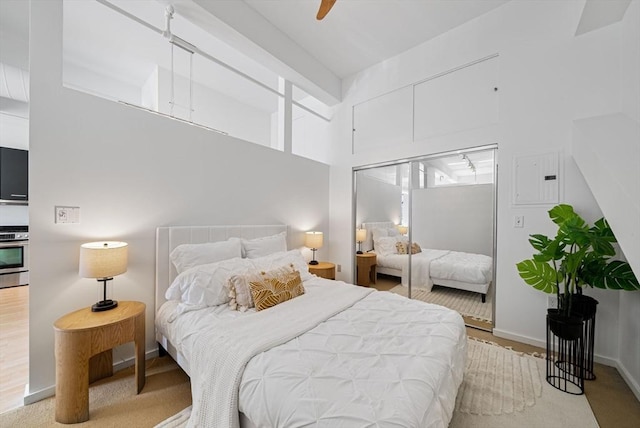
[275,287]
[415,248]
[401,248]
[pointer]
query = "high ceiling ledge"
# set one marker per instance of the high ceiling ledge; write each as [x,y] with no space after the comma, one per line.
[607,152]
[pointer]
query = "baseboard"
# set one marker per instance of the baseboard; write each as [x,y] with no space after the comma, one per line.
[633,385]
[607,361]
[50,391]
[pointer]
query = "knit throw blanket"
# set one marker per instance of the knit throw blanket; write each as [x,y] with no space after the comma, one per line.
[220,354]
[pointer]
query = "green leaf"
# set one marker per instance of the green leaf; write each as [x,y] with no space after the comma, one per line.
[617,275]
[539,242]
[561,213]
[540,276]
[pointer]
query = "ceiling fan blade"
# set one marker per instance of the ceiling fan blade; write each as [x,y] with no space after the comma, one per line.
[325,7]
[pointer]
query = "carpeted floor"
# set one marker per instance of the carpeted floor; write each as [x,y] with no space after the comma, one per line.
[466,303]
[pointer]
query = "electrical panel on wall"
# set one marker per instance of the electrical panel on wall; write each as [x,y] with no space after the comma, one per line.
[536,179]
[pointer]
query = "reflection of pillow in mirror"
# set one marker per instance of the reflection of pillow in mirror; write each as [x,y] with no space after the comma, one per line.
[186,256]
[393,231]
[415,248]
[401,247]
[385,246]
[378,233]
[260,247]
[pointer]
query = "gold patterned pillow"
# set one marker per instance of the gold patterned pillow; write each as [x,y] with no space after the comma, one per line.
[401,247]
[415,248]
[275,287]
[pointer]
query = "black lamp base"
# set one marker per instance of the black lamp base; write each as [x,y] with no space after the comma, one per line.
[104,305]
[359,252]
[313,262]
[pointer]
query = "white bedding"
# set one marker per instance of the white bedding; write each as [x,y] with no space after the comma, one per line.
[383,360]
[440,264]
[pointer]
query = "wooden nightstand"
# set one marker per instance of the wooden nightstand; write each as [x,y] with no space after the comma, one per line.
[323,270]
[366,264]
[83,343]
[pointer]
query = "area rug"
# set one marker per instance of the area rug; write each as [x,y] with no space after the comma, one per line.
[466,303]
[501,389]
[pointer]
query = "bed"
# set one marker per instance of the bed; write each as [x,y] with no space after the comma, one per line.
[337,355]
[429,267]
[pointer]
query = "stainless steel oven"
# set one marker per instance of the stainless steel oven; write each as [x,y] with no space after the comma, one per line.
[14,256]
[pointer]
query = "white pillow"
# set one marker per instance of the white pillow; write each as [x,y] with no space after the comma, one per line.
[205,285]
[385,245]
[393,231]
[260,247]
[378,233]
[284,258]
[186,256]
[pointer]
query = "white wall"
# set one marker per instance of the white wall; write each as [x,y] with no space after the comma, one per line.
[458,218]
[130,171]
[538,79]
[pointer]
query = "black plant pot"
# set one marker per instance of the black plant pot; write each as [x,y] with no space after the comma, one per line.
[565,327]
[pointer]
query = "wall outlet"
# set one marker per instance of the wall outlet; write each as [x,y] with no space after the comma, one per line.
[552,301]
[339,268]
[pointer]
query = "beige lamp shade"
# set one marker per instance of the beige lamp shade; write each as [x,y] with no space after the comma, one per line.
[313,240]
[403,229]
[361,235]
[103,259]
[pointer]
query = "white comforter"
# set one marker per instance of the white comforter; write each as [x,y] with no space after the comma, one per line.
[440,264]
[382,360]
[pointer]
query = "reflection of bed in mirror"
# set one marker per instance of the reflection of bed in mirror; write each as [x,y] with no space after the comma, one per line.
[454,269]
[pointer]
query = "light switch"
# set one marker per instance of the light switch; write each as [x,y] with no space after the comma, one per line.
[67,215]
[518,221]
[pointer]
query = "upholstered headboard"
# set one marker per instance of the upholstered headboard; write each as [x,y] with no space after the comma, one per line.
[367,245]
[168,238]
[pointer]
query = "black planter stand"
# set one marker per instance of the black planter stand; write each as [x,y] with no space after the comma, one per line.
[565,352]
[586,306]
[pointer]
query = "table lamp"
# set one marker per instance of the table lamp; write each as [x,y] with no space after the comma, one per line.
[103,260]
[313,240]
[361,236]
[403,229]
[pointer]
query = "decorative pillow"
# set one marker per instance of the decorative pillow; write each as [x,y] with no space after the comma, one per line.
[260,247]
[205,285]
[385,246]
[275,287]
[240,290]
[401,247]
[186,256]
[415,248]
[283,258]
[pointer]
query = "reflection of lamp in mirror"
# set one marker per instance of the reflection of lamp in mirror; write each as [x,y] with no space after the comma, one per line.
[402,229]
[361,236]
[313,240]
[103,260]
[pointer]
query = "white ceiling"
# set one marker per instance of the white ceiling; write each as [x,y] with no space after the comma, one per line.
[357,34]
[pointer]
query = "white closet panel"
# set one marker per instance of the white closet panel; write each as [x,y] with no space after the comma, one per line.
[383,121]
[460,100]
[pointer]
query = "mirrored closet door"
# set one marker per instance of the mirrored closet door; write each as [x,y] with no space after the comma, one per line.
[426,227]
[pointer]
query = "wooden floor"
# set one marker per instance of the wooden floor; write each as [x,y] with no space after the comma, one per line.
[14,346]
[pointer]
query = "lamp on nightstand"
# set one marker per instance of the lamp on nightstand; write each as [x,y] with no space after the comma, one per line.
[361,236]
[403,229]
[313,240]
[103,261]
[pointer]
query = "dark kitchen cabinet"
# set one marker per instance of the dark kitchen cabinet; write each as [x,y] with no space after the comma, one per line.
[14,175]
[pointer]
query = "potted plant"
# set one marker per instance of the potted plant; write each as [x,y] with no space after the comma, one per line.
[579,255]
